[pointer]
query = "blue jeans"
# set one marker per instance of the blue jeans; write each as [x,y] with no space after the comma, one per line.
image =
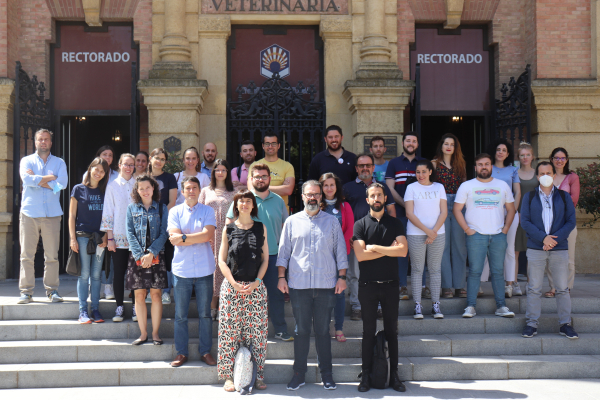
[478,247]
[454,260]
[312,307]
[403,263]
[276,300]
[182,288]
[340,308]
[91,268]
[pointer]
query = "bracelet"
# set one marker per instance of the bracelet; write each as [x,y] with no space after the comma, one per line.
[282,277]
[259,280]
[112,239]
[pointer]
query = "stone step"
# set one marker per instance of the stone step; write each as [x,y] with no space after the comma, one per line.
[115,350]
[42,309]
[451,324]
[140,373]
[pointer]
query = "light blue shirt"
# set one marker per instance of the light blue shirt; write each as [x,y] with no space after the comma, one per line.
[508,174]
[39,202]
[197,260]
[379,173]
[547,214]
[203,168]
[313,249]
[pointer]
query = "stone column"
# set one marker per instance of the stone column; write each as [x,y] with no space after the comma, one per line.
[7,101]
[175,45]
[375,47]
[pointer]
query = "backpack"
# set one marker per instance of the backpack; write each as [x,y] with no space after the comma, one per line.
[562,196]
[379,375]
[244,370]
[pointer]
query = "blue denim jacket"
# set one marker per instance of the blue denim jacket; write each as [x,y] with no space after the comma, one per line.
[137,222]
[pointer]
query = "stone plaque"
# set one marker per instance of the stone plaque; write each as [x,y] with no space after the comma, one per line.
[391,145]
[275,6]
[172,145]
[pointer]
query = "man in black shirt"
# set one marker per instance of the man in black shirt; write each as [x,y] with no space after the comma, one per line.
[333,159]
[379,239]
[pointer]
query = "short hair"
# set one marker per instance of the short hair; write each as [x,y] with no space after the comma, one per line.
[311,182]
[213,177]
[260,167]
[409,133]
[271,134]
[187,179]
[333,128]
[566,169]
[245,194]
[537,168]
[365,155]
[429,165]
[247,143]
[195,150]
[135,196]
[375,185]
[509,160]
[481,156]
[49,132]
[377,139]
[87,178]
[102,150]
[124,156]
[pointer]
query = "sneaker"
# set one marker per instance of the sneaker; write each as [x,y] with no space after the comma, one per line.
[84,318]
[356,315]
[109,292]
[328,383]
[403,293]
[469,312]
[96,317]
[134,317]
[118,314]
[55,297]
[286,337]
[568,331]
[436,312]
[529,331]
[418,311]
[426,293]
[166,298]
[508,291]
[517,290]
[504,312]
[296,382]
[25,299]
[379,314]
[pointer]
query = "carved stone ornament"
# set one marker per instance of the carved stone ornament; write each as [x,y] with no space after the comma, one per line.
[172,144]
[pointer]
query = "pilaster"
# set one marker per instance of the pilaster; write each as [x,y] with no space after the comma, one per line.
[7,100]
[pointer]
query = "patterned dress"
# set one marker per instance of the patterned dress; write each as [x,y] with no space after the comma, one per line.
[220,203]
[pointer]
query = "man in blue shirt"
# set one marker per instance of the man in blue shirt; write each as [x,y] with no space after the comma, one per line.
[43,176]
[378,150]
[191,226]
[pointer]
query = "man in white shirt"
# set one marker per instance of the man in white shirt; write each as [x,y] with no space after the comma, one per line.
[490,211]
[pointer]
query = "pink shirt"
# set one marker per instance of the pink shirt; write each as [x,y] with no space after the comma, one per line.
[243,174]
[571,185]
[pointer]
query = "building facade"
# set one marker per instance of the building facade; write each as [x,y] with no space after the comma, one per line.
[140,74]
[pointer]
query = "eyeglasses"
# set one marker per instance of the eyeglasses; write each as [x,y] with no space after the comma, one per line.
[271,144]
[260,177]
[361,166]
[128,165]
[559,158]
[312,195]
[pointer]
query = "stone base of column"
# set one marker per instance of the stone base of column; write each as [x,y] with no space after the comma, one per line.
[377,99]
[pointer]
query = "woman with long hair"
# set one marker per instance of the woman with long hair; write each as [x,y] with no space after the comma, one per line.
[141,163]
[567,180]
[451,171]
[426,210]
[146,270]
[218,195]
[85,215]
[114,217]
[528,183]
[168,194]
[243,317]
[333,203]
[191,160]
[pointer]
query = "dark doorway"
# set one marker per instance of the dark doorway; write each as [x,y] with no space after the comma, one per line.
[470,131]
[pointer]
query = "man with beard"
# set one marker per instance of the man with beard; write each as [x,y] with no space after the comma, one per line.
[354,193]
[248,154]
[334,159]
[378,149]
[282,172]
[209,153]
[43,176]
[272,213]
[397,176]
[379,239]
[486,225]
[313,250]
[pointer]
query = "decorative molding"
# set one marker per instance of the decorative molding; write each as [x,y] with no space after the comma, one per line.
[334,27]
[454,9]
[214,26]
[91,9]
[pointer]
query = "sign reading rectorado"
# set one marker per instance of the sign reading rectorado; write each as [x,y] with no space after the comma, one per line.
[275,6]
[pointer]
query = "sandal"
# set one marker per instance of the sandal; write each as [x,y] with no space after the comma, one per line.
[549,294]
[229,386]
[447,294]
[260,384]
[462,293]
[340,338]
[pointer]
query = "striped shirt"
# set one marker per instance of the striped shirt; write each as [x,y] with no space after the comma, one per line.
[401,169]
[547,205]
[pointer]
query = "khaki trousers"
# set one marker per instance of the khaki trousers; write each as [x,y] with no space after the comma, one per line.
[29,236]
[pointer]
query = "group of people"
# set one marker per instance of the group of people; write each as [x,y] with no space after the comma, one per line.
[226,237]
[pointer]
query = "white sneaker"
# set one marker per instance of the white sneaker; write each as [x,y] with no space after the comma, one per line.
[108,291]
[504,312]
[118,314]
[469,312]
[508,291]
[166,299]
[436,312]
[517,290]
[418,311]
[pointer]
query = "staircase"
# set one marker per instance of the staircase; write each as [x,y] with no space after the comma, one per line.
[42,345]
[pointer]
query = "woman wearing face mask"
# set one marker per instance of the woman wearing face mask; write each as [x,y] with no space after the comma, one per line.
[141,163]
[528,183]
[191,160]
[218,195]
[566,180]
[426,209]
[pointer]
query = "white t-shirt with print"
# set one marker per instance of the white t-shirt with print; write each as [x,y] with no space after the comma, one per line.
[484,202]
[427,208]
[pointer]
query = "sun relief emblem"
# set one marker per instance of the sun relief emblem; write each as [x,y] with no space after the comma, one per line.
[274,59]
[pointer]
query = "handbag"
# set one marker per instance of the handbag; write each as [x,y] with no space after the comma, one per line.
[244,370]
[73,263]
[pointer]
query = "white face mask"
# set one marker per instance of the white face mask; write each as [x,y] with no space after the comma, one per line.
[546,181]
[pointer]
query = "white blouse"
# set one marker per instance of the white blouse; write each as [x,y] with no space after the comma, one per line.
[114,215]
[179,176]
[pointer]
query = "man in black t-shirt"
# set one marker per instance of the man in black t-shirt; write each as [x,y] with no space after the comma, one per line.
[379,239]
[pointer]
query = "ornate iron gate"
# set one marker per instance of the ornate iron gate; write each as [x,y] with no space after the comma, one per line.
[32,112]
[512,117]
[276,107]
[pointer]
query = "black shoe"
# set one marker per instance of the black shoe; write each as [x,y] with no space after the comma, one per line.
[568,331]
[396,383]
[296,382]
[364,385]
[328,382]
[529,331]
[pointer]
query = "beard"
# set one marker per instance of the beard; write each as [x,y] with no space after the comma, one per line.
[377,207]
[209,159]
[365,176]
[311,205]
[334,147]
[260,189]
[484,174]
[406,151]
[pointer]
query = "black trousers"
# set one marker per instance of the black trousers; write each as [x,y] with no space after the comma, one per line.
[370,294]
[120,259]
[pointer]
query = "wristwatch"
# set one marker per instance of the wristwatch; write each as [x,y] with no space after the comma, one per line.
[183,237]
[342,277]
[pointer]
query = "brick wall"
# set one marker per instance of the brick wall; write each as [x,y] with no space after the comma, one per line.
[508,35]
[35,35]
[142,34]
